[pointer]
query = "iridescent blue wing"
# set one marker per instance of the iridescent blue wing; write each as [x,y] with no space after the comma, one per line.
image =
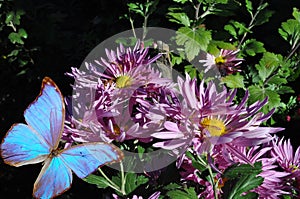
[32,143]
[56,175]
[46,114]
[22,145]
[85,158]
[54,179]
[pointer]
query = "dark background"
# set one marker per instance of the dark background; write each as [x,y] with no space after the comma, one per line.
[63,33]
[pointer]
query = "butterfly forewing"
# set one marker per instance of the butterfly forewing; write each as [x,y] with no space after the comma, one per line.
[46,114]
[22,145]
[83,159]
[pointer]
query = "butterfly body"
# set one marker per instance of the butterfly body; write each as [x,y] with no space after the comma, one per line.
[38,142]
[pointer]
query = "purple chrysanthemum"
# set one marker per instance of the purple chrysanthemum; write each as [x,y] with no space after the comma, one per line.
[129,69]
[111,100]
[289,161]
[273,183]
[226,62]
[215,120]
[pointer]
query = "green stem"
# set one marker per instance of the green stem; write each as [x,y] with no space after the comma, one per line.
[145,26]
[132,27]
[197,8]
[123,181]
[292,51]
[111,183]
[212,181]
[201,161]
[250,26]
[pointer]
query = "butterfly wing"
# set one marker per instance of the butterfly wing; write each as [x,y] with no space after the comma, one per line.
[56,175]
[46,114]
[85,158]
[32,143]
[54,179]
[22,145]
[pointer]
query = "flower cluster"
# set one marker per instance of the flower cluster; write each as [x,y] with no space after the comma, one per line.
[124,98]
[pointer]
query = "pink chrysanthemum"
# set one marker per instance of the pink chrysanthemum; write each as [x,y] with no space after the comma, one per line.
[273,184]
[215,120]
[226,62]
[289,161]
[104,98]
[286,158]
[129,69]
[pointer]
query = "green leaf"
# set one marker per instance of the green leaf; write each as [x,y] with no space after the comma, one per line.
[15,38]
[141,151]
[243,169]
[252,47]
[188,193]
[180,1]
[214,46]
[259,93]
[263,17]
[285,89]
[9,17]
[198,166]
[287,197]
[240,27]
[268,64]
[236,28]
[234,81]
[20,12]
[13,53]
[262,6]
[249,6]
[136,7]
[241,179]
[133,181]
[22,33]
[22,72]
[193,40]
[245,184]
[216,1]
[176,60]
[180,18]
[99,181]
[172,186]
[296,14]
[277,80]
[231,30]
[191,70]
[290,31]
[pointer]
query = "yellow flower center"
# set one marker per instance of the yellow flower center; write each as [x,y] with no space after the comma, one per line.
[220,60]
[123,81]
[294,168]
[214,126]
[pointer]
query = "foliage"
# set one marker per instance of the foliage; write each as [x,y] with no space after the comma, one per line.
[13,36]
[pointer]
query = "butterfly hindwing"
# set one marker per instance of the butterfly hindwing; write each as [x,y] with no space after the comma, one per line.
[46,114]
[22,145]
[83,159]
[54,179]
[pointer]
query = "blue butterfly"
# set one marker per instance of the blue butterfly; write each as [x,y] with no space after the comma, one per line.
[38,142]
